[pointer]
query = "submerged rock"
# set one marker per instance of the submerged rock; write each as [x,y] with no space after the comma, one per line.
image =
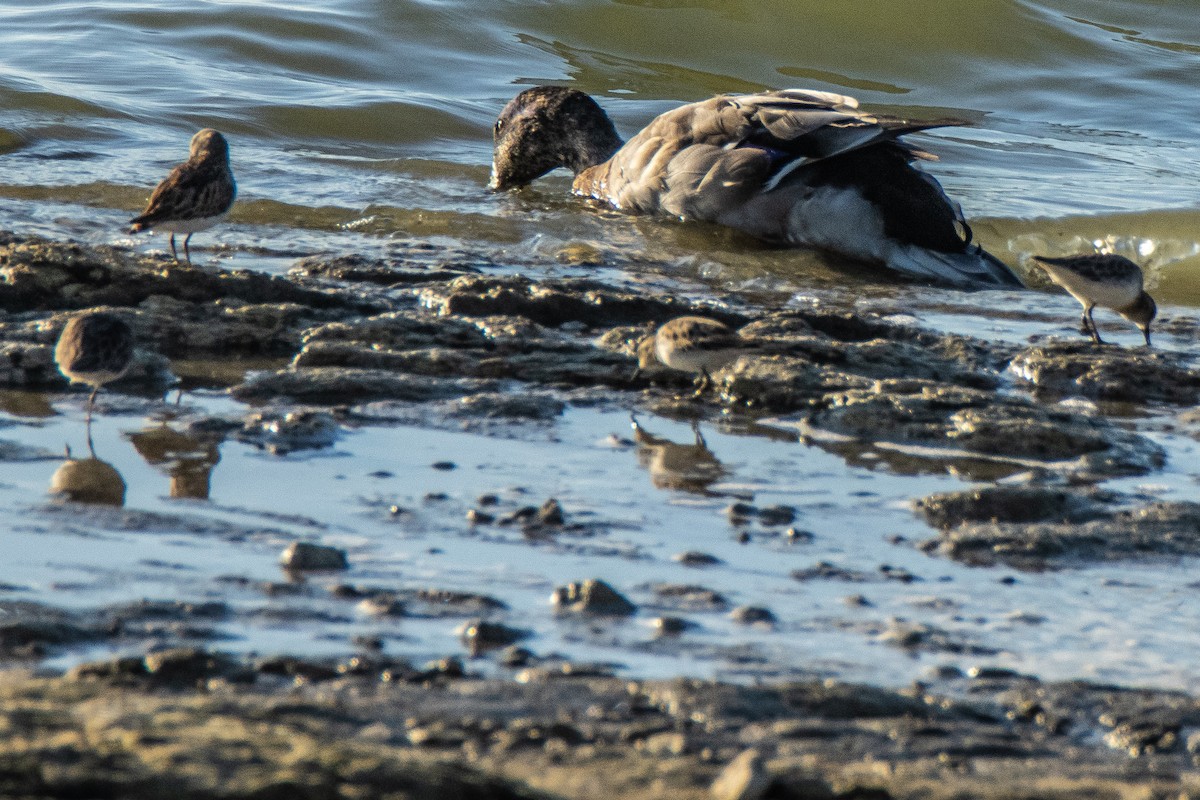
[940,421]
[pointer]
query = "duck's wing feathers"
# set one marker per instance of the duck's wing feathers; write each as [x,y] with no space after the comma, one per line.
[193,190]
[734,146]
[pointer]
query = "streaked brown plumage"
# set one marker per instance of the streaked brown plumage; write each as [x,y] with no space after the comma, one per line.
[195,196]
[1106,280]
[691,344]
[94,348]
[796,167]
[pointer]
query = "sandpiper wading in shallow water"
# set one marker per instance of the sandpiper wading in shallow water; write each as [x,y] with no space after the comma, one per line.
[795,167]
[691,344]
[195,196]
[1110,281]
[94,348]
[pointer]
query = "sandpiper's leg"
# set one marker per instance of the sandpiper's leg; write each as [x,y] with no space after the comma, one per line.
[703,382]
[91,447]
[699,436]
[186,252]
[1146,333]
[1095,333]
[174,254]
[91,402]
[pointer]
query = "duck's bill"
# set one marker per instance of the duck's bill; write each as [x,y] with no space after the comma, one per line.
[493,183]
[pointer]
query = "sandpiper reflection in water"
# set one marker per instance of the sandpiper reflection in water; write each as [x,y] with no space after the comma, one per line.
[88,480]
[188,459]
[692,468]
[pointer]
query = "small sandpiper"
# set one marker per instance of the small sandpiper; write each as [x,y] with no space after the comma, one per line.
[1110,281]
[691,344]
[95,348]
[195,196]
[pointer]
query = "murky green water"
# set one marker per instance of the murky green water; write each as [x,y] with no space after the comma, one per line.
[372,118]
[357,125]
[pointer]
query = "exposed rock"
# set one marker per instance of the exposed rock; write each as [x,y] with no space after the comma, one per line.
[1158,529]
[593,597]
[550,302]
[1121,374]
[1005,503]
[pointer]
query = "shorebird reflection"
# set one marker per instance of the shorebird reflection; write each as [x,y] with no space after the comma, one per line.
[88,480]
[686,467]
[188,459]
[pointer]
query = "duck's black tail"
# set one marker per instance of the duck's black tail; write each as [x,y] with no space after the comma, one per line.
[972,267]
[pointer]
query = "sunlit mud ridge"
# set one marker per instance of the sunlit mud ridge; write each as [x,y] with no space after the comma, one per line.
[198,724]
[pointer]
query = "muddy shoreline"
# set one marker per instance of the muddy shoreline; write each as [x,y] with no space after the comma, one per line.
[441,337]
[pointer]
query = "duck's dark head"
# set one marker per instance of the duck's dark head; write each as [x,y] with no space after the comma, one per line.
[547,127]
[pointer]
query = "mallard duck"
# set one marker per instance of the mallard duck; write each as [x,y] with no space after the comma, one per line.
[1106,280]
[794,167]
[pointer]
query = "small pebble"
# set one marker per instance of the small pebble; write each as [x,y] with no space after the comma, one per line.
[488,500]
[670,626]
[382,605]
[694,558]
[799,537]
[752,615]
[309,556]
[773,516]
[744,778]
[477,517]
[444,466]
[551,513]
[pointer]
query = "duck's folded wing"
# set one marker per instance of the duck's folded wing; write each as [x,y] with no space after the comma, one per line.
[736,144]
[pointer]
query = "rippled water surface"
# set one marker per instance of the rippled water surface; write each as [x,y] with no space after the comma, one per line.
[357,124]
[374,117]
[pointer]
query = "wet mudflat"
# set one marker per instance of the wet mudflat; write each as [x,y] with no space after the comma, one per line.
[866,497]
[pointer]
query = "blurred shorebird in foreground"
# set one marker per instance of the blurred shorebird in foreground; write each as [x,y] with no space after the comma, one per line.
[94,348]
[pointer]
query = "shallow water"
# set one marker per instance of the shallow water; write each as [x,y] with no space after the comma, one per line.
[375,117]
[360,126]
[638,510]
